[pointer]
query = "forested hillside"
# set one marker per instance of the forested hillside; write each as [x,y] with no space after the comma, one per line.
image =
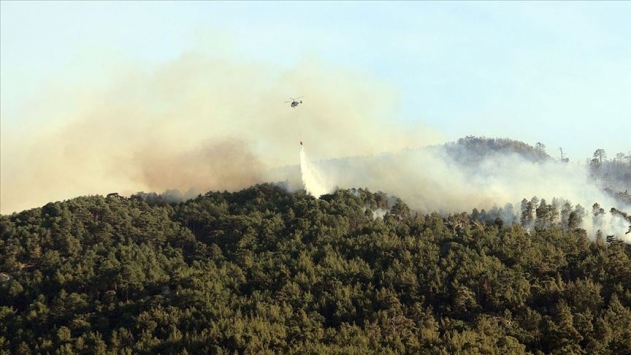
[266,270]
[471,149]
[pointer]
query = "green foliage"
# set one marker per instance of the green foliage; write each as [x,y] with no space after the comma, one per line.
[267,271]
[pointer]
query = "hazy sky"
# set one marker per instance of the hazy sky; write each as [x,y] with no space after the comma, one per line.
[552,72]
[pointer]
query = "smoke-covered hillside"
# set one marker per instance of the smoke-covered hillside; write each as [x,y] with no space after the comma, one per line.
[476,173]
[498,177]
[613,174]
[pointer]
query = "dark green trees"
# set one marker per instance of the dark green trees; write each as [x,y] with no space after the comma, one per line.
[264,270]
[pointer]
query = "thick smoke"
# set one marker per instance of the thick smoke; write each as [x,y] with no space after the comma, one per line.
[207,123]
[430,179]
[198,122]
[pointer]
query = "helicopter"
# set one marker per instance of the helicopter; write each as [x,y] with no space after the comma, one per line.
[294,101]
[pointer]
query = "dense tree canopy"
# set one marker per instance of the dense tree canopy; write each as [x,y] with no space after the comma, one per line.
[265,270]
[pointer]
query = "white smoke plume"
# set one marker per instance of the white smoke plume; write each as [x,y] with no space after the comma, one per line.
[312,178]
[431,179]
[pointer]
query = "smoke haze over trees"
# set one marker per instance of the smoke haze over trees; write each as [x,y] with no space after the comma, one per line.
[481,173]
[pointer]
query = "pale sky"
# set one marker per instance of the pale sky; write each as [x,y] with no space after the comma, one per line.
[559,73]
[552,72]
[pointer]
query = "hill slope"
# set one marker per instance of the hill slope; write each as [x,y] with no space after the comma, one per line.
[264,270]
